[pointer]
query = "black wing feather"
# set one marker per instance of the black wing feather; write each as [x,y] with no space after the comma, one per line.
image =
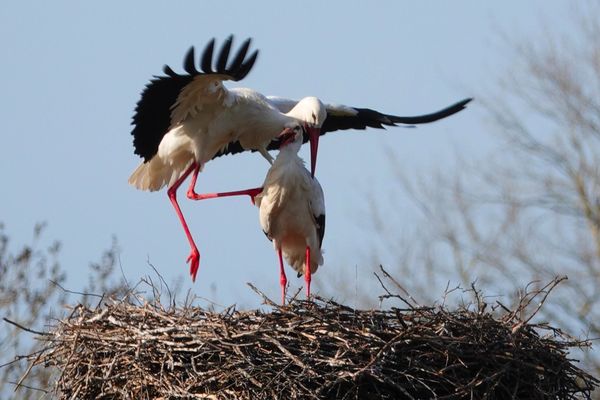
[231,148]
[224,54]
[367,118]
[168,71]
[152,117]
[189,64]
[435,116]
[240,56]
[320,228]
[246,67]
[207,55]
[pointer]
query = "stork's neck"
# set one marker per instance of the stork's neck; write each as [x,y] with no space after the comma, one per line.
[289,152]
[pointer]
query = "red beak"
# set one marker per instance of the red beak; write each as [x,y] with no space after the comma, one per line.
[313,137]
[286,136]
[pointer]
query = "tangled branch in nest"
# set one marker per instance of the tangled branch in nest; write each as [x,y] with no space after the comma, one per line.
[318,350]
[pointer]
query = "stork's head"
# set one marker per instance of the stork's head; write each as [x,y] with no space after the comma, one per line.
[291,138]
[311,113]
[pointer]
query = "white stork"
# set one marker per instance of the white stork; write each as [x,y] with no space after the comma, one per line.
[292,211]
[183,121]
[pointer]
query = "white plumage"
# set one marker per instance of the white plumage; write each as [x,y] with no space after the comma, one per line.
[292,210]
[218,117]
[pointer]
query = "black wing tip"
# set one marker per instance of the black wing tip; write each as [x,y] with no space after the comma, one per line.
[245,45]
[237,69]
[320,219]
[453,109]
[246,42]
[246,67]
[224,55]
[463,103]
[189,62]
[167,71]
[435,116]
[206,58]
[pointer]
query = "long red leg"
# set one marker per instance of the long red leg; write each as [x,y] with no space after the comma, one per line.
[194,257]
[192,195]
[282,278]
[307,276]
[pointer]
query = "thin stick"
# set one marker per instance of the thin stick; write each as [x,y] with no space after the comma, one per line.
[24,328]
[264,296]
[72,291]
[398,285]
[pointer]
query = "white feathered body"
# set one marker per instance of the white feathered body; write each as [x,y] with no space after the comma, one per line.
[200,129]
[289,204]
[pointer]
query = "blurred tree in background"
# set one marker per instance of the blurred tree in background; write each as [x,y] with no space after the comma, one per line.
[32,295]
[26,297]
[530,210]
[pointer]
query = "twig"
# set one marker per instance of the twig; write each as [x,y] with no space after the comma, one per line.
[29,387]
[72,291]
[31,365]
[391,295]
[546,290]
[24,328]
[264,296]
[161,279]
[398,285]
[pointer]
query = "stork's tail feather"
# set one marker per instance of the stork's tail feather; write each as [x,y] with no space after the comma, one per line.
[298,262]
[155,174]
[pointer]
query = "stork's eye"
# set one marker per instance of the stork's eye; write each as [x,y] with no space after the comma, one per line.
[297,129]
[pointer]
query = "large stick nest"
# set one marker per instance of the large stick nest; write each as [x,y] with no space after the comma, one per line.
[309,350]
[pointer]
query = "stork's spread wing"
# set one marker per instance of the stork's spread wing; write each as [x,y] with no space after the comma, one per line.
[169,99]
[342,117]
[281,103]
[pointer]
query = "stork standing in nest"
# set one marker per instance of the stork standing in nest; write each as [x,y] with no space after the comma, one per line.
[292,211]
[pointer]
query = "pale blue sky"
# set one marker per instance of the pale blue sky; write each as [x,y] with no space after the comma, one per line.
[71,73]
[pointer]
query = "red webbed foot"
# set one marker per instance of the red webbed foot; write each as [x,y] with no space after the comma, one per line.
[194,261]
